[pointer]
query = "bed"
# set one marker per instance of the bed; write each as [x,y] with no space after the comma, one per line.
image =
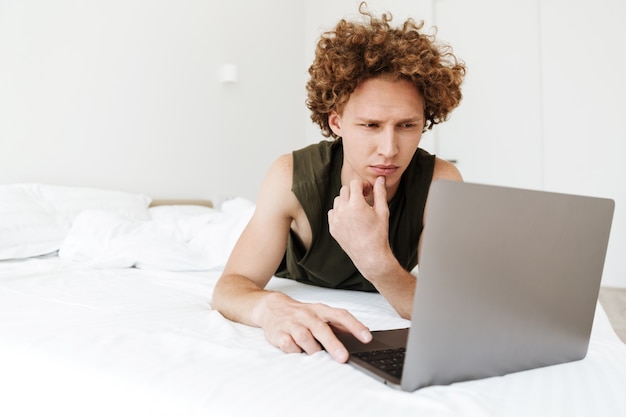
[105,311]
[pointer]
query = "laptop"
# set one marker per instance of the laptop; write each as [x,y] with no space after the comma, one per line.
[508,281]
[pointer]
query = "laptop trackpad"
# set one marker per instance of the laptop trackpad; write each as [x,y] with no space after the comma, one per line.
[382,339]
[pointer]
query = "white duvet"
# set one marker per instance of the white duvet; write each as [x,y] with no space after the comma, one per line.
[173,238]
[82,341]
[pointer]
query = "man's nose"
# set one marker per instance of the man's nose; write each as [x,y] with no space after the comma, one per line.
[388,142]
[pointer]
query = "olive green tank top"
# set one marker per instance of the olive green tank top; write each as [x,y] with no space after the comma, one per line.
[316,183]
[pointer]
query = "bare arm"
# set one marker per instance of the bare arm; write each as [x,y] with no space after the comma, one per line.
[240,295]
[363,232]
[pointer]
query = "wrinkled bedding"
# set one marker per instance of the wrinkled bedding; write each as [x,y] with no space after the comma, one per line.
[79,340]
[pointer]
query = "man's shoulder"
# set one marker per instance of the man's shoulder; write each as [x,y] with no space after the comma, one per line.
[275,196]
[283,164]
[446,170]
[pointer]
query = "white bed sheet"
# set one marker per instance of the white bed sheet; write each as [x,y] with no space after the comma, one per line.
[79,341]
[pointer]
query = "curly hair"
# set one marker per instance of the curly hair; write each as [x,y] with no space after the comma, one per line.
[354,52]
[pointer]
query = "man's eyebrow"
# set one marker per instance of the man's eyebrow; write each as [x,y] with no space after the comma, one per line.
[367,120]
[414,119]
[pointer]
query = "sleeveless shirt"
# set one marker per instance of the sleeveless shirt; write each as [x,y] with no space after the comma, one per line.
[316,183]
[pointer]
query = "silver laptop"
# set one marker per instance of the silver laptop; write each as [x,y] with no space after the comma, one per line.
[508,281]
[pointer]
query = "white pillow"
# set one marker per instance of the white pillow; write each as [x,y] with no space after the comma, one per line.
[35,218]
[28,225]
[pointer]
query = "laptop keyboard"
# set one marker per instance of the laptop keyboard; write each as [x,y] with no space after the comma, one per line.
[387,360]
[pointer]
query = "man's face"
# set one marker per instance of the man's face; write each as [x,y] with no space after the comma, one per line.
[381,127]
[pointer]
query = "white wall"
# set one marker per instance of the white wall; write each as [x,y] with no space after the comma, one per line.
[126,94]
[584,86]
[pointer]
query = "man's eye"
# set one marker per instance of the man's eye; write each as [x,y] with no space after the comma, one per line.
[409,125]
[370,125]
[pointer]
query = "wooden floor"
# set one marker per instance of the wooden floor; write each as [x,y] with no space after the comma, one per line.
[613,301]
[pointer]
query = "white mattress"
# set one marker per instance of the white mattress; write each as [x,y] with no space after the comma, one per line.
[81,341]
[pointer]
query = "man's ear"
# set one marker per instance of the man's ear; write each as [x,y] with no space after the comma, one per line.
[334,122]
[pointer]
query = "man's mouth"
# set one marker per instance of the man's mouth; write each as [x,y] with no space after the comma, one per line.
[384,169]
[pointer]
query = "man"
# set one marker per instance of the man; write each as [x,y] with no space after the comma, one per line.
[347,213]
